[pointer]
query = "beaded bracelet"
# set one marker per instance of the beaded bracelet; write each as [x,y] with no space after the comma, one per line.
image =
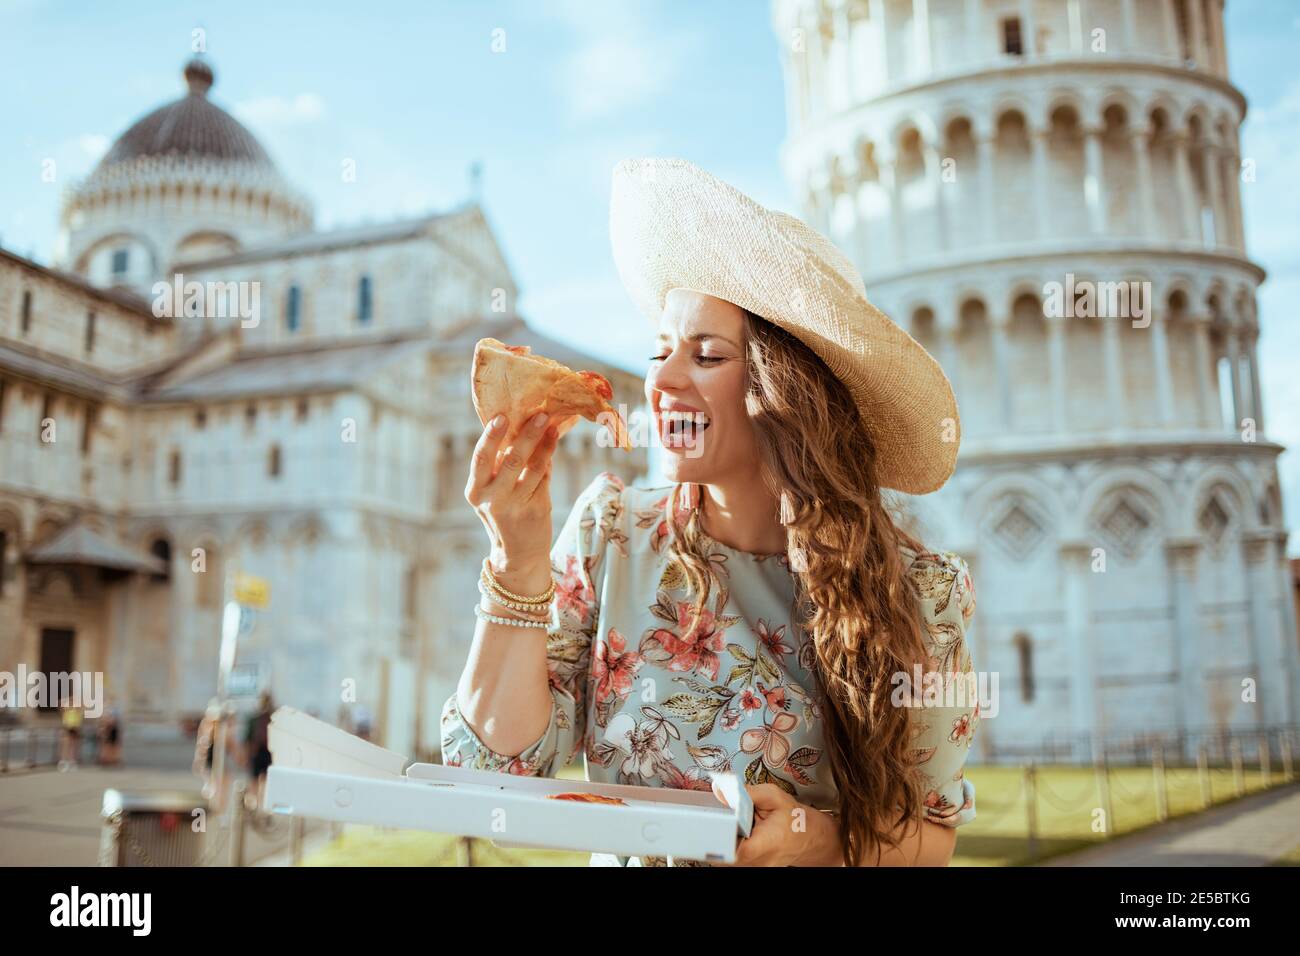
[513,605]
[491,580]
[483,615]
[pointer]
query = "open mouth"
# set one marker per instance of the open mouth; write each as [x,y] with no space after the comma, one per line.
[682,429]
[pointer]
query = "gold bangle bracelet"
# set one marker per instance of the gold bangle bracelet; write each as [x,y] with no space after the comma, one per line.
[514,605]
[491,580]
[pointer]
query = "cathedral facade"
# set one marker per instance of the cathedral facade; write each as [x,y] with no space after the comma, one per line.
[1046,195]
[208,385]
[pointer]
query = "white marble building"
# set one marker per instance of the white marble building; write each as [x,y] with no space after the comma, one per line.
[970,153]
[324,447]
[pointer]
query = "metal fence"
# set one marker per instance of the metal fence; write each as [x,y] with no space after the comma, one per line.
[27,747]
[1188,762]
[1262,745]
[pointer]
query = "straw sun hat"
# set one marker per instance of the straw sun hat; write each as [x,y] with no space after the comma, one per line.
[673,225]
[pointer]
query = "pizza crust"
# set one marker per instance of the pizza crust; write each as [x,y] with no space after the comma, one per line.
[511,381]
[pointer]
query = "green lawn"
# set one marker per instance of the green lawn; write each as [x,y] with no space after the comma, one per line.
[1067,806]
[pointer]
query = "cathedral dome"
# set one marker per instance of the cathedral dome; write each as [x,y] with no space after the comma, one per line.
[192,126]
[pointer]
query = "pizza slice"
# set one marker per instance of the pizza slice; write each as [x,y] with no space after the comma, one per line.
[510,380]
[579,797]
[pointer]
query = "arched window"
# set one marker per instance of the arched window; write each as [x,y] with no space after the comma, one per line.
[162,550]
[1025,652]
[365,305]
[293,309]
[273,462]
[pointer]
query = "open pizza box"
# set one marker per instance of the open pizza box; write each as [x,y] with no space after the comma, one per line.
[323,772]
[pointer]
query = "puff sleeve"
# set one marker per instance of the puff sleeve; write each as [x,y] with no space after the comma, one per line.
[577,566]
[947,707]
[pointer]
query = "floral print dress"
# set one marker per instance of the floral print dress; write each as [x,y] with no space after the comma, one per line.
[649,700]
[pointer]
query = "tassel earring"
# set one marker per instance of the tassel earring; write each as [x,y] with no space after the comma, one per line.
[787,509]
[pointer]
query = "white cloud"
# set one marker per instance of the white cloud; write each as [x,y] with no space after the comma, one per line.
[94,145]
[281,110]
[621,59]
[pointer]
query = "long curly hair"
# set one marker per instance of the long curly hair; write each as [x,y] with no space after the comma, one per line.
[855,600]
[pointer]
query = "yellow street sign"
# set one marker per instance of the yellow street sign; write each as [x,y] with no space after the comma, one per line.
[252,591]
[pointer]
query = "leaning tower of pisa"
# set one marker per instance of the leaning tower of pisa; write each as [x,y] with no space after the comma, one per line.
[1046,195]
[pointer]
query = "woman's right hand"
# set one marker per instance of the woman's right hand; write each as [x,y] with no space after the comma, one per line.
[513,500]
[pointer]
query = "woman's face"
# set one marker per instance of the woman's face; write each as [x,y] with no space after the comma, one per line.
[696,391]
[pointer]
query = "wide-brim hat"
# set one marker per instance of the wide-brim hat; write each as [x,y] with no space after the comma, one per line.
[672,225]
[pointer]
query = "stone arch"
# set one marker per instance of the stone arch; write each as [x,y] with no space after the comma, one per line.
[1126,520]
[1061,100]
[1026,486]
[1196,118]
[1124,100]
[1236,494]
[1140,486]
[923,325]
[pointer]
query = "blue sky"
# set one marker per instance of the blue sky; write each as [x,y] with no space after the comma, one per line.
[414,93]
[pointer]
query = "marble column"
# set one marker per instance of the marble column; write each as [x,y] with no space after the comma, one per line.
[921,37]
[947,328]
[1256,400]
[1129,21]
[1114,371]
[1160,358]
[1173,46]
[1195,34]
[1074,16]
[1148,221]
[1056,345]
[1038,144]
[999,328]
[880,26]
[815,44]
[1076,568]
[1232,194]
[1029,26]
[934,172]
[1287,610]
[1210,172]
[844,34]
[1269,656]
[985,151]
[1189,204]
[886,164]
[1234,368]
[1181,555]
[1207,396]
[974,54]
[1094,182]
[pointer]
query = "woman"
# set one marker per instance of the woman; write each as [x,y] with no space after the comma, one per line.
[755,614]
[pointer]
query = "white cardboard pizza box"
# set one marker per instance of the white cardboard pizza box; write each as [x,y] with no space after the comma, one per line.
[299,740]
[509,809]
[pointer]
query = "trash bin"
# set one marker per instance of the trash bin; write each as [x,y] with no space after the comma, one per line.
[152,828]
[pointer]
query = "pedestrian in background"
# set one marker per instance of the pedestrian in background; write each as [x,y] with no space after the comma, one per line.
[70,743]
[257,747]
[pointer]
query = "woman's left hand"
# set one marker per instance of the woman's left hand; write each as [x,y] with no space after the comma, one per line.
[785,832]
